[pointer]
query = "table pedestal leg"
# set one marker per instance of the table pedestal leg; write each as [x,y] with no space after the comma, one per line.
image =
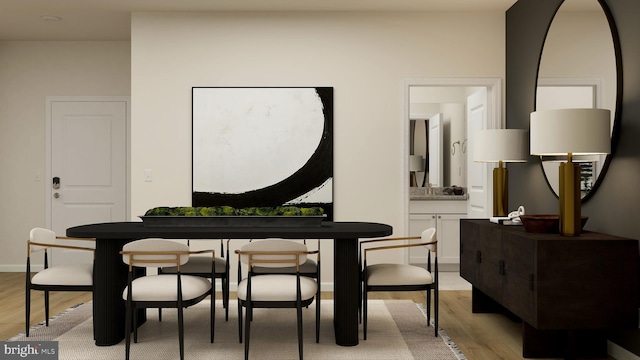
[346,291]
[109,280]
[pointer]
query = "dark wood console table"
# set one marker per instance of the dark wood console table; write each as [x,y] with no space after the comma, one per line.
[110,273]
[566,290]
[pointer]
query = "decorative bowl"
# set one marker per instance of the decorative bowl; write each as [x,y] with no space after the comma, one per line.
[549,224]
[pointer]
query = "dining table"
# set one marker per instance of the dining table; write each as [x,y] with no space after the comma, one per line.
[110,272]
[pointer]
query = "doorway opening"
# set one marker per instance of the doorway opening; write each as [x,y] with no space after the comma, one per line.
[424,98]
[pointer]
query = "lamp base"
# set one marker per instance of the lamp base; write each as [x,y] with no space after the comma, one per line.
[570,214]
[500,191]
[413,182]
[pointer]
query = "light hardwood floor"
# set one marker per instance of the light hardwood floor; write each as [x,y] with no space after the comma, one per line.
[479,336]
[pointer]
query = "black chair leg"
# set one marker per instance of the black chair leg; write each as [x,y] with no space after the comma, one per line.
[247,333]
[225,298]
[135,324]
[435,310]
[360,291]
[239,321]
[159,314]
[181,331]
[428,307]
[27,310]
[317,318]
[227,314]
[300,335]
[129,319]
[46,308]
[212,313]
[364,315]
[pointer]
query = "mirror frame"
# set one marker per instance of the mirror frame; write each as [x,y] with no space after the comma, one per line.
[618,101]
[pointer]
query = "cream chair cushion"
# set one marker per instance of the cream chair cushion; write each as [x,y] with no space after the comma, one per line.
[397,274]
[277,288]
[80,274]
[164,288]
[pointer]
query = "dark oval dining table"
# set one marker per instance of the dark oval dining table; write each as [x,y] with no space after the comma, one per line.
[110,273]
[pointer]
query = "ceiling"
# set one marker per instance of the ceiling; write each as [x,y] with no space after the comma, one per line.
[110,19]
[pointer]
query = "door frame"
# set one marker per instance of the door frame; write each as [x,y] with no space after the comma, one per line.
[48,151]
[494,121]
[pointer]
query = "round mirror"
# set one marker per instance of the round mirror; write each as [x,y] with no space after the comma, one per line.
[578,70]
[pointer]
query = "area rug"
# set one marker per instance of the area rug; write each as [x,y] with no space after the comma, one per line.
[396,330]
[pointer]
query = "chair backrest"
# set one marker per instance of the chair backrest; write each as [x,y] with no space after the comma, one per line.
[43,236]
[155,253]
[274,250]
[222,252]
[429,235]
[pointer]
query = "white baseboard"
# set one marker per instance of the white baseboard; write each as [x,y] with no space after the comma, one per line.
[19,268]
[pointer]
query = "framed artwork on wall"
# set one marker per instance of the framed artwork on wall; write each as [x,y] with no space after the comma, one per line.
[262,146]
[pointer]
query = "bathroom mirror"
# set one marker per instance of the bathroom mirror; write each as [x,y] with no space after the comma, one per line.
[578,69]
[438,133]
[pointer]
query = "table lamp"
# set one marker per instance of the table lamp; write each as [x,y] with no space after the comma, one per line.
[416,163]
[569,132]
[500,146]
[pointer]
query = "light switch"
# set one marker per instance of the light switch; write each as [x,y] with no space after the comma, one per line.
[148,175]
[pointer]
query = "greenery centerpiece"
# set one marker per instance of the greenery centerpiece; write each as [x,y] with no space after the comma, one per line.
[231,211]
[229,216]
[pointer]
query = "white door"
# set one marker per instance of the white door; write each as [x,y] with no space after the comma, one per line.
[479,204]
[436,161]
[88,166]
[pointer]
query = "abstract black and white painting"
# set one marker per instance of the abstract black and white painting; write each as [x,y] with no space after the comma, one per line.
[263,146]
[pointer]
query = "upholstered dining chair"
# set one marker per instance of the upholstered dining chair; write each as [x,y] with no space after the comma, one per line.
[201,266]
[164,290]
[402,277]
[72,277]
[284,290]
[310,268]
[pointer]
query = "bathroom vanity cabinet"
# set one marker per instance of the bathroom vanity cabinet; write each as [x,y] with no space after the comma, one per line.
[444,215]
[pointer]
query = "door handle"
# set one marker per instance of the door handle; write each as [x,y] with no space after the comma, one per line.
[56,182]
[56,195]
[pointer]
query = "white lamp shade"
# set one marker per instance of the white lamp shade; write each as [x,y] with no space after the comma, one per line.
[506,145]
[416,163]
[576,131]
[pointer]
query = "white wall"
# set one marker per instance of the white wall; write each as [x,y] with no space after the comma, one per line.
[364,56]
[29,72]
